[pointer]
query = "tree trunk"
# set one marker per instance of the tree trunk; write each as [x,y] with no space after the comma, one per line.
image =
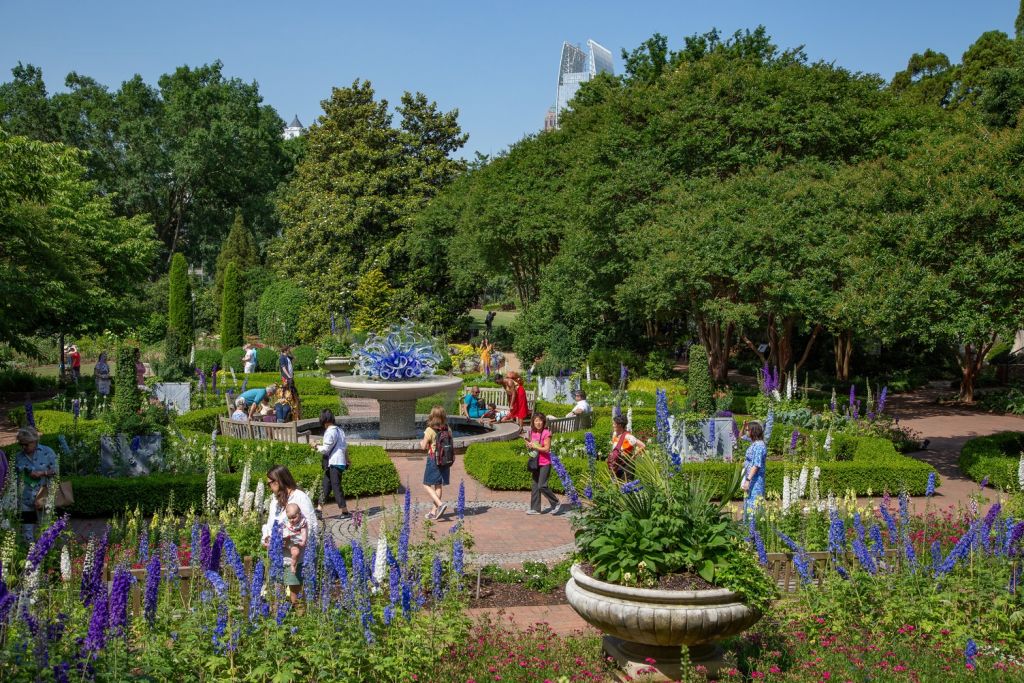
[716,342]
[971,359]
[843,342]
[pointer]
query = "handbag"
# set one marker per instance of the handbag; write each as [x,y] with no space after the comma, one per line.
[64,497]
[533,464]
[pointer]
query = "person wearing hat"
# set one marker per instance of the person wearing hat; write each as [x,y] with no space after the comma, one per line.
[35,464]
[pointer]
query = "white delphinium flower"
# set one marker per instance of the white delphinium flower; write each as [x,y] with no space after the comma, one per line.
[776,395]
[786,491]
[815,493]
[90,550]
[802,483]
[1020,471]
[828,440]
[629,419]
[833,504]
[65,564]
[380,561]
[260,496]
[244,488]
[789,387]
[211,483]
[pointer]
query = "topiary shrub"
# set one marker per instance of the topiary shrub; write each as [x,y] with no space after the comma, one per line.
[266,359]
[232,358]
[278,313]
[205,359]
[232,312]
[304,357]
[996,457]
[127,399]
[700,397]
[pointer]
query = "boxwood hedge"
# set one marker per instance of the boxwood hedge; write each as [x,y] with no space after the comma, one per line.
[996,457]
[875,466]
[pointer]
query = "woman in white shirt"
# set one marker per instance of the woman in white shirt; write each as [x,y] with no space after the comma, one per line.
[240,415]
[334,451]
[285,490]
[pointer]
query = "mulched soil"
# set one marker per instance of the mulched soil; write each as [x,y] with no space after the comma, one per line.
[672,582]
[494,594]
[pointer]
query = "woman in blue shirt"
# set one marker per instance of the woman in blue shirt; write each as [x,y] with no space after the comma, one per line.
[36,464]
[754,463]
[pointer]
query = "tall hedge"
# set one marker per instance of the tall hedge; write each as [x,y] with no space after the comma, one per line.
[701,396]
[178,341]
[126,392]
[278,317]
[232,311]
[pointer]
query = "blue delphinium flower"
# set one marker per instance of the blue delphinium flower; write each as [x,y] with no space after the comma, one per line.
[590,445]
[661,417]
[904,508]
[389,614]
[986,526]
[970,652]
[793,440]
[45,542]
[632,486]
[96,638]
[282,611]
[755,538]
[801,560]
[309,567]
[890,523]
[275,551]
[235,562]
[92,580]
[359,569]
[959,551]
[588,492]
[217,549]
[863,556]
[395,585]
[929,490]
[437,577]
[858,526]
[936,550]
[406,600]
[908,551]
[152,594]
[769,424]
[877,544]
[403,535]
[170,561]
[853,397]
[204,547]
[194,543]
[563,475]
[881,399]
[836,535]
[460,502]
[30,414]
[457,558]
[144,546]
[258,607]
[711,433]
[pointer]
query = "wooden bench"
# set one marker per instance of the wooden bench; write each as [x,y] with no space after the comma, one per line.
[263,431]
[575,423]
[498,397]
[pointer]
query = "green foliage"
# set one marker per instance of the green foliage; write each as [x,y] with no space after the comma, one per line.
[232,311]
[68,264]
[13,380]
[304,357]
[374,303]
[127,399]
[700,391]
[232,358]
[658,365]
[206,358]
[266,359]
[239,248]
[179,301]
[605,364]
[535,576]
[348,208]
[279,309]
[995,457]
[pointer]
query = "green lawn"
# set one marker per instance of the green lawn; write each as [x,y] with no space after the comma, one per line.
[501,318]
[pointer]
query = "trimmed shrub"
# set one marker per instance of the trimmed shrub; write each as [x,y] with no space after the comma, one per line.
[266,360]
[304,357]
[179,301]
[996,457]
[205,358]
[312,405]
[278,312]
[203,420]
[307,386]
[126,392]
[700,396]
[232,358]
[876,466]
[232,311]
[370,473]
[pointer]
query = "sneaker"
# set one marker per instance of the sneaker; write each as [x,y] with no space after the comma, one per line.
[344,514]
[430,516]
[533,512]
[555,509]
[440,510]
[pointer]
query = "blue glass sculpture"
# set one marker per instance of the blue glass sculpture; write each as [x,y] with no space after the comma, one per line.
[402,354]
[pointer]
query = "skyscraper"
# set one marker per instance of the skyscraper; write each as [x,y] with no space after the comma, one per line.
[577,67]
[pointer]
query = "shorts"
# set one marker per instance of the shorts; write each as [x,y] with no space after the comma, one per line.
[434,475]
[292,578]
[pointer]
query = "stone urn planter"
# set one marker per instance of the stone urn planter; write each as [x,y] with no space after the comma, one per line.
[339,365]
[643,623]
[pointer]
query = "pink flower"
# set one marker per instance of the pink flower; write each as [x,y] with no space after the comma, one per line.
[756,674]
[651,660]
[774,669]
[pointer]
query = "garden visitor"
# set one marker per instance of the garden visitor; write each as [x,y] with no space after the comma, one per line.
[582,406]
[334,453]
[518,409]
[76,364]
[140,371]
[473,406]
[625,447]
[436,476]
[254,397]
[285,363]
[539,441]
[240,415]
[265,410]
[249,359]
[283,491]
[485,357]
[288,407]
[295,534]
[753,467]
[101,373]
[489,321]
[36,464]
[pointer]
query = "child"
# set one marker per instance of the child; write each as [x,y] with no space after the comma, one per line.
[295,534]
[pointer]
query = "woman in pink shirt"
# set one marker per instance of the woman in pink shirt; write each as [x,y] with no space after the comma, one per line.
[539,441]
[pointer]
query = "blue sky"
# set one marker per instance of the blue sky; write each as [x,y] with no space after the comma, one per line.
[495,62]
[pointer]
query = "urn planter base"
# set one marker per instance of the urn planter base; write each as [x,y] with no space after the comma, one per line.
[632,659]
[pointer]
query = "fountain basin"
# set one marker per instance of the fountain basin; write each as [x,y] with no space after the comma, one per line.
[365,431]
[397,400]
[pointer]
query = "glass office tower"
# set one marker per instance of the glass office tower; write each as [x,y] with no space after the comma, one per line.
[577,67]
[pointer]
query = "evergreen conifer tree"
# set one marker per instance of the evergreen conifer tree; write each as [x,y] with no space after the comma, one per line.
[232,312]
[700,393]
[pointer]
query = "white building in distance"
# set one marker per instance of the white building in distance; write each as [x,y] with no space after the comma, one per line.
[293,129]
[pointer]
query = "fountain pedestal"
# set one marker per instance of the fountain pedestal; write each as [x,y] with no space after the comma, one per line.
[397,399]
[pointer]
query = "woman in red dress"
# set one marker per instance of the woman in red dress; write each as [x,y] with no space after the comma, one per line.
[518,409]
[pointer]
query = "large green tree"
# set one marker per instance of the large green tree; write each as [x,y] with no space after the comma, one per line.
[232,310]
[353,197]
[239,248]
[67,263]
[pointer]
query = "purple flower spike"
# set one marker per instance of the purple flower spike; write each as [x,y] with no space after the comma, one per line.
[853,396]
[45,542]
[881,399]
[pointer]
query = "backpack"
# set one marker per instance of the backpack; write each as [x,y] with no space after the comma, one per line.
[444,448]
